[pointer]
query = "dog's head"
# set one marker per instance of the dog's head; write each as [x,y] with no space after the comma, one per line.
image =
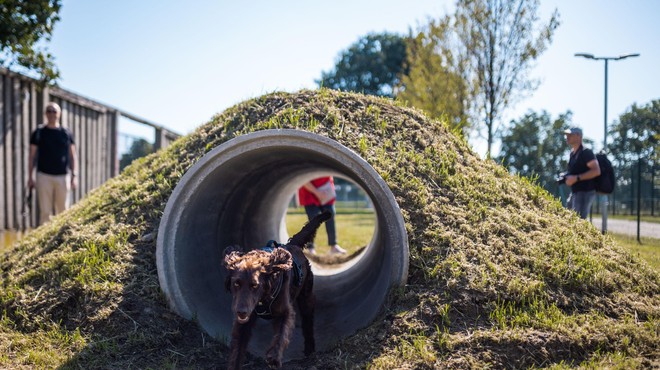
[252,276]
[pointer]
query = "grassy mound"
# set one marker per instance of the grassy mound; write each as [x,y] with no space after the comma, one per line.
[500,276]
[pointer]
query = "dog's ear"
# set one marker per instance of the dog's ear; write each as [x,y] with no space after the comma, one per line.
[232,254]
[228,283]
[280,260]
[231,258]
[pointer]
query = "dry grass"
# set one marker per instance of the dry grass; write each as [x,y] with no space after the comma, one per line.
[501,276]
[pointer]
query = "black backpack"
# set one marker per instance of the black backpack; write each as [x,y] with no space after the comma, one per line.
[606,181]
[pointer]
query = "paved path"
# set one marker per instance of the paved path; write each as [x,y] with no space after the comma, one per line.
[646,229]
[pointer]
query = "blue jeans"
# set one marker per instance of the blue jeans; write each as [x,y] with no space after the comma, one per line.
[329,225]
[581,201]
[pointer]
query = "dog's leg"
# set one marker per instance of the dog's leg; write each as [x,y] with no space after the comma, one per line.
[306,304]
[283,326]
[240,336]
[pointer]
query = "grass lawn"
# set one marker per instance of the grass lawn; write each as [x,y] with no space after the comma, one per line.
[354,228]
[649,250]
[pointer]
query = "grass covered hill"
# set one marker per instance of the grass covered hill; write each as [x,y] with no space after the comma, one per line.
[501,276]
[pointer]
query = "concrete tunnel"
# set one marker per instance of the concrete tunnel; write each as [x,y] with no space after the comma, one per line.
[238,193]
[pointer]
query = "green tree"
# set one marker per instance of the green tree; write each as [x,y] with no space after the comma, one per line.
[139,148]
[636,133]
[534,146]
[24,26]
[634,137]
[372,66]
[434,82]
[501,39]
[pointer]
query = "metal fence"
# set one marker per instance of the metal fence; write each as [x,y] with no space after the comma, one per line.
[638,189]
[94,126]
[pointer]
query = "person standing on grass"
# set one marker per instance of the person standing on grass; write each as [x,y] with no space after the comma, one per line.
[582,170]
[317,196]
[52,149]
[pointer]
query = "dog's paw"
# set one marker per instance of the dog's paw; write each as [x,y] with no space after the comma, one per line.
[273,359]
[274,362]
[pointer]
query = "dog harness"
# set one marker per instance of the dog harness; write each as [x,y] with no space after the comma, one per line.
[297,265]
[264,308]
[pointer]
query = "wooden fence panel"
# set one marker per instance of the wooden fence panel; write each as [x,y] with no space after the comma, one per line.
[114,165]
[9,151]
[82,157]
[35,120]
[86,177]
[76,129]
[92,150]
[103,147]
[26,102]
[91,144]
[95,129]
[96,180]
[71,125]
[98,149]
[18,138]
[3,174]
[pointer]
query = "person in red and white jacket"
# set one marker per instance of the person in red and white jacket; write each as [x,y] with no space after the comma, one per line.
[317,196]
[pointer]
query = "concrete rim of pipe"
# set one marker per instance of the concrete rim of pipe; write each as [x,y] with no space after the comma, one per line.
[238,193]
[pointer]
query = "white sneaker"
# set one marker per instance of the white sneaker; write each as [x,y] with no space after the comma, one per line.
[336,249]
[312,251]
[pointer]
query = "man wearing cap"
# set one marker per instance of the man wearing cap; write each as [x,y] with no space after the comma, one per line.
[582,170]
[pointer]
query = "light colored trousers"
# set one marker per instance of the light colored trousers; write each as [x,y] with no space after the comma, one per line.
[52,194]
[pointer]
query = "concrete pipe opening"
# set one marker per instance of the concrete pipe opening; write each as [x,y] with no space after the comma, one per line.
[238,193]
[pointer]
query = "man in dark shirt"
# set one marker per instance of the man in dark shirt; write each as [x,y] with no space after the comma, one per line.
[54,150]
[582,170]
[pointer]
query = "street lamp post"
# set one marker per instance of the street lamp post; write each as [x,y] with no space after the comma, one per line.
[606,59]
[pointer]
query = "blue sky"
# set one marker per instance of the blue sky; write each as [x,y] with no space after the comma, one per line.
[178,63]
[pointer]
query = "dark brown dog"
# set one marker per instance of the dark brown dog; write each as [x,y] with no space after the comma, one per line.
[265,283]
